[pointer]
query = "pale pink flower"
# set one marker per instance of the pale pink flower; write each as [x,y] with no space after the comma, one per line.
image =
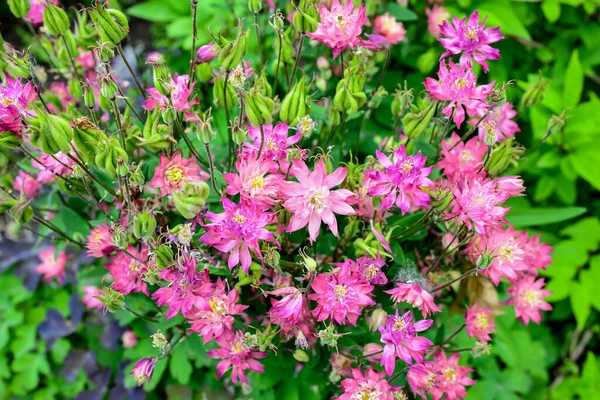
[171,175]
[276,147]
[421,378]
[340,295]
[451,378]
[462,160]
[27,184]
[479,322]
[178,98]
[235,354]
[340,26]
[36,12]
[52,265]
[142,371]
[207,53]
[15,99]
[129,339]
[290,307]
[376,43]
[415,295]
[340,365]
[401,181]
[58,164]
[458,85]
[254,183]
[435,16]
[373,352]
[128,271]
[311,201]
[527,298]
[510,186]
[99,241]
[471,39]
[91,298]
[370,385]
[236,231]
[387,26]
[498,123]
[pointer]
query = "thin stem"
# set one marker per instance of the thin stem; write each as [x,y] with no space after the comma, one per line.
[212,168]
[128,104]
[194,35]
[415,225]
[260,55]
[137,82]
[278,62]
[188,142]
[71,58]
[463,276]
[137,314]
[227,117]
[385,66]
[453,335]
[98,181]
[293,76]
[53,228]
[262,142]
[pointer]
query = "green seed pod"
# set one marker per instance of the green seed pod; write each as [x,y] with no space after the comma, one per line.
[306,17]
[110,156]
[344,100]
[504,155]
[19,8]
[534,93]
[301,356]
[89,98]
[55,20]
[191,199]
[259,109]
[415,124]
[87,136]
[113,301]
[111,24]
[294,105]
[10,140]
[401,102]
[255,6]
[55,134]
[108,88]
[221,96]
[163,256]
[144,225]
[233,52]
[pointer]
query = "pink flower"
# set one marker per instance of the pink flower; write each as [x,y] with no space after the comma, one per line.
[399,336]
[509,186]
[143,369]
[207,53]
[253,184]
[311,201]
[387,26]
[91,299]
[127,272]
[435,16]
[370,385]
[527,298]
[451,378]
[373,352]
[180,91]
[458,85]
[479,322]
[415,295]
[537,254]
[99,241]
[369,269]
[498,124]
[52,265]
[376,43]
[15,99]
[27,184]
[171,175]
[277,143]
[470,38]
[58,164]
[87,59]
[340,365]
[401,181]
[290,307]
[235,353]
[36,12]
[129,339]
[340,295]
[340,27]
[421,378]
[462,160]
[215,319]
[237,230]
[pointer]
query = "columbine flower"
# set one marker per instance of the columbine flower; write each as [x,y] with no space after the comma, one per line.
[171,175]
[237,230]
[451,378]
[311,201]
[290,307]
[421,378]
[15,99]
[128,271]
[462,160]
[527,298]
[143,369]
[276,144]
[370,385]
[180,92]
[207,53]
[479,322]
[91,299]
[235,353]
[99,241]
[399,336]
[498,124]
[376,43]
[340,27]
[470,38]
[369,269]
[52,265]
[59,164]
[27,184]
[129,339]
[36,12]
[253,184]
[387,26]
[401,181]
[537,254]
[458,85]
[435,16]
[340,295]
[415,295]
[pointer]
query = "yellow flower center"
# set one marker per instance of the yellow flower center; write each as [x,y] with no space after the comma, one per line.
[6,101]
[174,176]
[460,83]
[471,33]
[399,324]
[371,271]
[340,291]
[407,165]
[531,297]
[449,374]
[217,306]
[481,321]
[270,144]
[316,200]
[340,20]
[257,182]
[240,219]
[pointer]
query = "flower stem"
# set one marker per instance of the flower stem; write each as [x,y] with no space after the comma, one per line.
[278,62]
[212,168]
[463,276]
[260,54]
[194,35]
[135,78]
[293,76]
[262,142]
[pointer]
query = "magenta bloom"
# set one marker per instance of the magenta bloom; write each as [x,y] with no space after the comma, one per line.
[237,230]
[171,175]
[207,53]
[15,99]
[537,254]
[401,181]
[369,269]
[527,298]
[277,143]
[91,299]
[253,182]
[415,295]
[311,201]
[462,160]
[498,123]
[36,12]
[215,319]
[27,184]
[479,322]
[236,355]
[143,369]
[387,26]
[370,385]
[451,378]
[340,27]
[58,164]
[181,90]
[290,308]
[435,16]
[399,336]
[99,241]
[458,85]
[421,378]
[52,265]
[470,38]
[127,272]
[340,295]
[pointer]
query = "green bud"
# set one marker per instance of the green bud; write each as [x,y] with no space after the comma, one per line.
[108,88]
[334,116]
[415,124]
[255,6]
[309,263]
[505,154]
[110,155]
[113,301]
[55,20]
[119,236]
[306,17]
[557,123]
[232,53]
[343,99]
[163,256]
[259,109]
[10,140]
[238,134]
[440,197]
[484,260]
[294,105]
[401,102]
[86,136]
[301,356]
[534,93]
[351,229]
[205,131]
[144,225]
[191,199]
[111,24]
[19,8]
[89,98]
[160,75]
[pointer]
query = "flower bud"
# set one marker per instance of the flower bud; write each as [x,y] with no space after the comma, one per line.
[534,93]
[207,53]
[403,98]
[160,342]
[129,339]
[259,109]
[143,369]
[238,134]
[191,199]
[113,301]
[301,340]
[108,88]
[110,155]
[255,6]
[160,75]
[377,319]
[503,156]
[111,24]
[164,256]
[21,211]
[556,123]
[484,260]
[373,352]
[306,17]
[144,225]
[309,263]
[205,132]
[54,135]
[334,116]
[19,8]
[301,356]
[415,124]
[55,20]
[233,53]
[294,105]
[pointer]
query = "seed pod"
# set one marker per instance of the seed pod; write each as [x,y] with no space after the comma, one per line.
[144,225]
[86,136]
[233,52]
[255,6]
[221,97]
[259,109]
[19,8]
[55,20]
[54,135]
[294,104]
[306,17]
[111,24]
[163,256]
[191,199]
[415,124]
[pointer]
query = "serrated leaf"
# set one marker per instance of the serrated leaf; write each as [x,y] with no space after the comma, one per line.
[180,366]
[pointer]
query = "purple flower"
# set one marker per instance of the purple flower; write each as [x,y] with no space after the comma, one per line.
[143,369]
[15,98]
[207,53]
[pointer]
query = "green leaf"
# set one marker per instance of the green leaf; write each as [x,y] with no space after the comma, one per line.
[70,222]
[551,10]
[501,13]
[586,161]
[544,188]
[60,349]
[401,13]
[581,303]
[25,381]
[180,366]
[154,10]
[586,232]
[573,81]
[542,216]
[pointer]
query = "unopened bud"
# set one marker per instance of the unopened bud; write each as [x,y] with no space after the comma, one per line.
[309,263]
[301,356]
[484,260]
[19,8]
[191,199]
[163,256]
[377,319]
[416,122]
[142,371]
[255,6]
[55,20]
[113,301]
[144,225]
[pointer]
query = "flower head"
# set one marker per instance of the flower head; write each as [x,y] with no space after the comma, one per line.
[451,378]
[276,146]
[421,378]
[15,99]
[207,53]
[462,160]
[172,174]
[415,295]
[290,308]
[368,268]
[235,354]
[52,265]
[128,271]
[479,322]
[527,298]
[143,369]
[253,182]
[498,124]
[387,26]
[435,16]
[368,385]
[99,241]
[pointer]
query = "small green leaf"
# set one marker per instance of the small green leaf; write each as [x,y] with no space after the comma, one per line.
[573,81]
[551,10]
[180,366]
[401,13]
[586,161]
[542,216]
[581,303]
